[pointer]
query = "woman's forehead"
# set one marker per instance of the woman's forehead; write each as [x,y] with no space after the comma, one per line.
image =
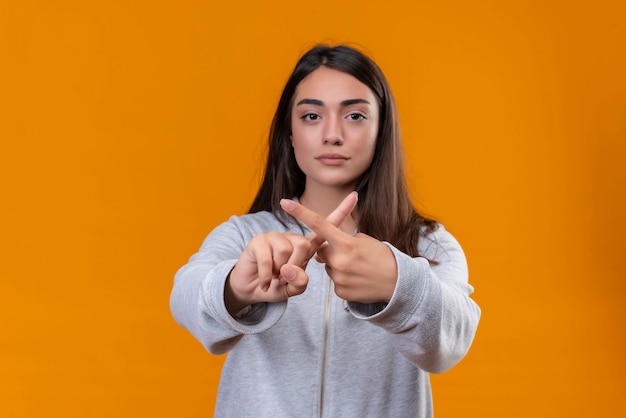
[328,84]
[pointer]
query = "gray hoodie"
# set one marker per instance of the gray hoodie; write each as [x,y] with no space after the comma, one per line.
[316,355]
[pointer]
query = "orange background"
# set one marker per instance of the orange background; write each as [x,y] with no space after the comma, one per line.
[130,129]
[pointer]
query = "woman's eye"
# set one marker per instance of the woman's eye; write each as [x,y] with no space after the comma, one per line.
[310,116]
[356,116]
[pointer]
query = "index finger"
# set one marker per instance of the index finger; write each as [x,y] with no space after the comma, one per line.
[324,229]
[336,217]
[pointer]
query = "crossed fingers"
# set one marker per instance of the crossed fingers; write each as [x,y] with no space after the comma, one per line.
[322,229]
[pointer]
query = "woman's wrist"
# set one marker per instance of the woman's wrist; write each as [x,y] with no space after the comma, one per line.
[233,304]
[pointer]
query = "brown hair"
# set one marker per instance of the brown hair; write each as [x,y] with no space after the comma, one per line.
[385,210]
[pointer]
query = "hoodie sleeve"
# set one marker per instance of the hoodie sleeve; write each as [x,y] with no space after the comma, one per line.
[197,298]
[430,318]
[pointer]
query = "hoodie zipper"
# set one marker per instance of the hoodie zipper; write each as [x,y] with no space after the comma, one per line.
[326,326]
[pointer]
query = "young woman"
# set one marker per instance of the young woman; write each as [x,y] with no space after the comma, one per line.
[332,296]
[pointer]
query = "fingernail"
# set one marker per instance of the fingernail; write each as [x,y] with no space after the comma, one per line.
[287,204]
[289,273]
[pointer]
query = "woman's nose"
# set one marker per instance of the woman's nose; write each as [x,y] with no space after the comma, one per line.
[332,132]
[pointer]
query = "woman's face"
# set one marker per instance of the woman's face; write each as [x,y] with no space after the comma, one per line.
[334,124]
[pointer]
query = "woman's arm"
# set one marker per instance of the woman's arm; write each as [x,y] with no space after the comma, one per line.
[197,298]
[426,309]
[431,318]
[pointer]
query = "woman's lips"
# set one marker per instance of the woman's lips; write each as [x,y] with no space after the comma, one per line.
[331,159]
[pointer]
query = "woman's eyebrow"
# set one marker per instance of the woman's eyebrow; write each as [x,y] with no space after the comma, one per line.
[310,102]
[344,103]
[354,101]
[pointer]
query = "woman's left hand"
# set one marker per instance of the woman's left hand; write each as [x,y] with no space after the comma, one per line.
[362,268]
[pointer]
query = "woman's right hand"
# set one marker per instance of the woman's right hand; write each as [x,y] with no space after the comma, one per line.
[268,270]
[272,266]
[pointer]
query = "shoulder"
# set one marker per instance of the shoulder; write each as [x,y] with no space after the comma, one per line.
[239,229]
[440,245]
[256,223]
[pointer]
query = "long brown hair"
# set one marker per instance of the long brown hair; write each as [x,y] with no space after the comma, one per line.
[385,210]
